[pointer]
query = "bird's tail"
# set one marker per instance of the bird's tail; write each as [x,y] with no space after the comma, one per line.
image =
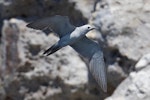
[52,49]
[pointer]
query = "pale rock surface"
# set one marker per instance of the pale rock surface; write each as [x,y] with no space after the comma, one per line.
[85,6]
[143,62]
[125,25]
[135,87]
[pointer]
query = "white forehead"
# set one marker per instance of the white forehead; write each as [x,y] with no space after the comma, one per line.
[86,26]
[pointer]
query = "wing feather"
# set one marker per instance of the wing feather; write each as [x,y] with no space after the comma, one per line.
[58,24]
[98,70]
[91,50]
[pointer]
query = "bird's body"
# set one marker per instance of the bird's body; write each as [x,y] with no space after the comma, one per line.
[75,37]
[86,47]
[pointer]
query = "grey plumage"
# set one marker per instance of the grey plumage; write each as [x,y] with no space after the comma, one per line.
[58,24]
[75,37]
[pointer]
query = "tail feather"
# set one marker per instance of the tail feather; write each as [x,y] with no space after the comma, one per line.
[51,50]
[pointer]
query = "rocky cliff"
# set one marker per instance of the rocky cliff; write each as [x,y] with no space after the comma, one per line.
[123,32]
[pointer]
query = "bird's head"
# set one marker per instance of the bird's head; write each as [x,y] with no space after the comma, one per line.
[86,28]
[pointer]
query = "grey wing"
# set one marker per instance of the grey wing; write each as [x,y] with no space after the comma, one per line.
[91,50]
[58,24]
[98,69]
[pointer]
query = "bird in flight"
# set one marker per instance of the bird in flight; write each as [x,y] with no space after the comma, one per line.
[76,38]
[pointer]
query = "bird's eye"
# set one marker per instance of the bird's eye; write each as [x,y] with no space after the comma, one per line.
[88,27]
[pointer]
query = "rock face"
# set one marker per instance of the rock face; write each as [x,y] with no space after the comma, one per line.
[123,32]
[85,6]
[135,87]
[143,62]
[125,26]
[9,47]
[40,8]
[73,8]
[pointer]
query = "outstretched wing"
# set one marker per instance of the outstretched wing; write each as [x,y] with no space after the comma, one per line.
[98,69]
[89,49]
[58,24]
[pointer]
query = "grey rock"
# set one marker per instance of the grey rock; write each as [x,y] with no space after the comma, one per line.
[85,6]
[124,27]
[2,91]
[135,87]
[9,49]
[115,75]
[40,8]
[143,62]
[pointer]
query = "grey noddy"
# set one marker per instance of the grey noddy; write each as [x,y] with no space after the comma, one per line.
[76,38]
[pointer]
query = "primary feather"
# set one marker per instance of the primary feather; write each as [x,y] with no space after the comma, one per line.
[58,24]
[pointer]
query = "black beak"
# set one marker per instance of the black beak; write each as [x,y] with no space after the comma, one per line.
[92,28]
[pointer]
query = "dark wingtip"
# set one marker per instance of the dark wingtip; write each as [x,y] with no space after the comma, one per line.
[45,53]
[29,25]
[48,52]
